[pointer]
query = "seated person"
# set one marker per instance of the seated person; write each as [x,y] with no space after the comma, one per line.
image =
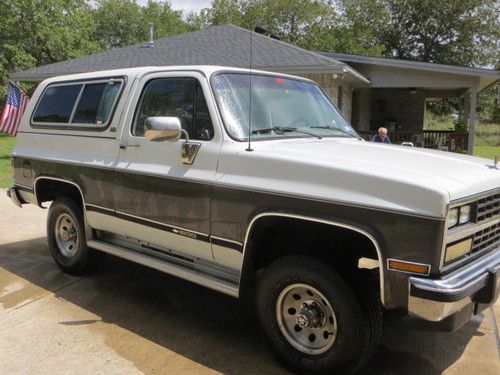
[382,136]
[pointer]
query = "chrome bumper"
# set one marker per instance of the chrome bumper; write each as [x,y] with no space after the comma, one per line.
[476,284]
[14,197]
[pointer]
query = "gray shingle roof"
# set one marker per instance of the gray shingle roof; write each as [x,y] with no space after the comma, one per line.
[226,45]
[400,63]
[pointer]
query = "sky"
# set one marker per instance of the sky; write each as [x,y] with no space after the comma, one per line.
[185,5]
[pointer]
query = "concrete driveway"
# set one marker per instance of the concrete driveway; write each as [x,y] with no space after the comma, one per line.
[127,319]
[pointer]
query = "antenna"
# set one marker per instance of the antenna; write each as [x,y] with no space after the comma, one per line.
[249,148]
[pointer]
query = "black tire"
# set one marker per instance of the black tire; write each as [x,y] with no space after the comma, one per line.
[357,315]
[82,259]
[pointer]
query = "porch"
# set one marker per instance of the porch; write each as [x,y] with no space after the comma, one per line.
[402,112]
[396,98]
[445,140]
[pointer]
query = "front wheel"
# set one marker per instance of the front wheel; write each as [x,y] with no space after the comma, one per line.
[314,321]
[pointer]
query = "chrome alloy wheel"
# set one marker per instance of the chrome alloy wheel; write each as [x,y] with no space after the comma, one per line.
[306,319]
[66,235]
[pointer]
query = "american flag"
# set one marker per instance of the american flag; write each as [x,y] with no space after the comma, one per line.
[13,110]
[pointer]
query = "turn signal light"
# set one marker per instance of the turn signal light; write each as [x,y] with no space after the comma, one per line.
[398,265]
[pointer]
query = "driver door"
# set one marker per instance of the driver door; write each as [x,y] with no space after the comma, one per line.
[159,199]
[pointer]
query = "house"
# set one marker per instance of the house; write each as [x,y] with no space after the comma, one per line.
[371,92]
[399,90]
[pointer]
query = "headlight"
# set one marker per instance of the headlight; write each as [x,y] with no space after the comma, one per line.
[452,217]
[464,216]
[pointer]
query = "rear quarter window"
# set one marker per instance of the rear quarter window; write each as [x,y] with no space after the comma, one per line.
[57,104]
[76,105]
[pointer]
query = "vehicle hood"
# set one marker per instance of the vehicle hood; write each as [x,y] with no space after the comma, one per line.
[416,180]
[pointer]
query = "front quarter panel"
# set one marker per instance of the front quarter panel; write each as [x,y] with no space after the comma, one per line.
[400,235]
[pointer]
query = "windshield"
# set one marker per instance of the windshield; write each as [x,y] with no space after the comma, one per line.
[280,107]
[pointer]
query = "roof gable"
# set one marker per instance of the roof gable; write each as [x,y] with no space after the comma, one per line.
[227,45]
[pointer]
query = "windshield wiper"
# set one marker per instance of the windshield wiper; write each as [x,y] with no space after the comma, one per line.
[334,128]
[284,129]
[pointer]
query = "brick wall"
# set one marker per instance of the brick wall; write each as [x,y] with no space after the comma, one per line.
[376,107]
[364,115]
[397,105]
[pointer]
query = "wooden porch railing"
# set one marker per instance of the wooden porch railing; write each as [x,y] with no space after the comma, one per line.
[437,139]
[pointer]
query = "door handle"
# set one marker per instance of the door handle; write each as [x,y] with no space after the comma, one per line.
[124,146]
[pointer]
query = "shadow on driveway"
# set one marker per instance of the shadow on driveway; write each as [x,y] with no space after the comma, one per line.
[209,328]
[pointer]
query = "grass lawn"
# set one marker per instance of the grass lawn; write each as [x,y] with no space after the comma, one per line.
[488,152]
[486,142]
[6,146]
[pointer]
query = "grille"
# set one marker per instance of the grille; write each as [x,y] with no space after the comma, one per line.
[488,207]
[486,238]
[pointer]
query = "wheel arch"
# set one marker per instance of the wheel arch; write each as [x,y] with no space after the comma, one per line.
[58,180]
[248,249]
[74,188]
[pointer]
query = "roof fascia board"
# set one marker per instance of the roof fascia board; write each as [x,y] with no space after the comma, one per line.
[35,77]
[414,65]
[355,74]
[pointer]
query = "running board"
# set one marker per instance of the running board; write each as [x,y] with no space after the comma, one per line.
[167,267]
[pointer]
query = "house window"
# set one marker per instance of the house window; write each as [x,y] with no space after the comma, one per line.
[77,104]
[175,97]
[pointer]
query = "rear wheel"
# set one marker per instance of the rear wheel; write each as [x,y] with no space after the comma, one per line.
[314,321]
[66,238]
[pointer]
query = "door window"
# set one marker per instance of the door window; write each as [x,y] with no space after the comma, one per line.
[175,97]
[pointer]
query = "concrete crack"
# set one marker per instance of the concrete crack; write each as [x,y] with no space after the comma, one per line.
[495,328]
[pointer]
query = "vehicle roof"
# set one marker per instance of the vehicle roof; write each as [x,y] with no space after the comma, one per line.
[206,70]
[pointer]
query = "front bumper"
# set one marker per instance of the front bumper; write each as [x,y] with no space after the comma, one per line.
[469,289]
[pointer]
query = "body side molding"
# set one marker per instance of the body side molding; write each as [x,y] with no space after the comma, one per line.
[327,222]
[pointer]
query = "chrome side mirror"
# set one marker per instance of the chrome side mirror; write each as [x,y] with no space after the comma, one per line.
[169,129]
[162,129]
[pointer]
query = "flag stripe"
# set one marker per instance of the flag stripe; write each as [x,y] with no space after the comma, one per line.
[13,111]
[12,119]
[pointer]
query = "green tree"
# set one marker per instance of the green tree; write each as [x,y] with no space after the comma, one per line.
[220,12]
[38,32]
[121,23]
[458,32]
[166,21]
[489,105]
[311,24]
[117,23]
